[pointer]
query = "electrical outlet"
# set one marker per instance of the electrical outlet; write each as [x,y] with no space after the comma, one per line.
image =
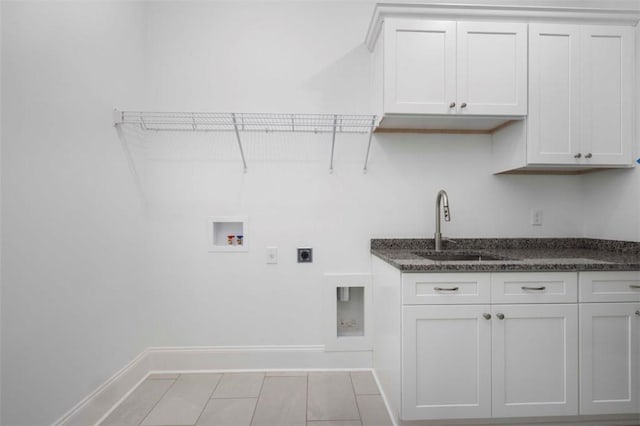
[305,255]
[272,255]
[536,217]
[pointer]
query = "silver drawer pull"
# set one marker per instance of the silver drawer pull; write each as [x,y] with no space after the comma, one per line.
[445,289]
[634,286]
[500,316]
[541,288]
[638,313]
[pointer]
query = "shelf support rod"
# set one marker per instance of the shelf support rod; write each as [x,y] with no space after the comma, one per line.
[333,142]
[366,158]
[235,127]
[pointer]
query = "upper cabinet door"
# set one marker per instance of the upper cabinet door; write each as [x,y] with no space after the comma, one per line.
[554,94]
[492,68]
[420,66]
[608,90]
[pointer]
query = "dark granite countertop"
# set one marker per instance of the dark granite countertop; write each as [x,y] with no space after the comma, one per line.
[514,254]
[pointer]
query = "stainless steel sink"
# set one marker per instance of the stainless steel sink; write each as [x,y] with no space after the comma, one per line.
[449,256]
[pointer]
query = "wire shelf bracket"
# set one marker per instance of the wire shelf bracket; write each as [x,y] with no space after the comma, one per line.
[251,122]
[235,127]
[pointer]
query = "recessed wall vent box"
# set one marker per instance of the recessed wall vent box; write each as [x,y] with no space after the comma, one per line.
[228,234]
[348,312]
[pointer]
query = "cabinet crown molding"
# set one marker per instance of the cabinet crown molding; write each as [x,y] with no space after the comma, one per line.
[512,13]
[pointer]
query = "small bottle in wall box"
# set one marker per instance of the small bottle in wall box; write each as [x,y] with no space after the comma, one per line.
[230,239]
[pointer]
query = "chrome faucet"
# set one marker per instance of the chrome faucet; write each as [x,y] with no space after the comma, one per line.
[441,198]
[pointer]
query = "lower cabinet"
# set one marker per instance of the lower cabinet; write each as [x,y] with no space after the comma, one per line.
[534,364]
[609,342]
[509,345]
[475,361]
[446,362]
[609,358]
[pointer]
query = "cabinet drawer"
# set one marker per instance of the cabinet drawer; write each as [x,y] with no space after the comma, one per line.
[445,289]
[534,287]
[614,286]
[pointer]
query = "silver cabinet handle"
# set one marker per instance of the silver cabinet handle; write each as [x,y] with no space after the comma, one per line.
[500,316]
[446,289]
[487,316]
[463,105]
[589,155]
[452,105]
[638,313]
[541,288]
[578,155]
[634,286]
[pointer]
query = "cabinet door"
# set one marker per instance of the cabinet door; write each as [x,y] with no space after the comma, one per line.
[535,360]
[492,68]
[419,66]
[608,91]
[609,358]
[554,94]
[446,362]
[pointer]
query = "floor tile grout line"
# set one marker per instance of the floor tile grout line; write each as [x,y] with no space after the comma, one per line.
[204,407]
[363,394]
[241,397]
[235,397]
[306,402]
[355,396]
[255,407]
[159,399]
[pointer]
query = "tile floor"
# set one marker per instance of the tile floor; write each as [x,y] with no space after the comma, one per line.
[296,398]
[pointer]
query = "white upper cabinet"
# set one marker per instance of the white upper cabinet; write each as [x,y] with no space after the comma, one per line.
[420,66]
[554,95]
[581,88]
[607,66]
[492,68]
[441,70]
[555,87]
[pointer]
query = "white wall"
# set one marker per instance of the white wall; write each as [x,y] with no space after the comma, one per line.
[297,57]
[74,302]
[95,268]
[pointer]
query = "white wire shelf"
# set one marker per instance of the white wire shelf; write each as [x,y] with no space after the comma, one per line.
[257,122]
[250,122]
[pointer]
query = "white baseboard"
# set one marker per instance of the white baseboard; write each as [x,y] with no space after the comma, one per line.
[392,416]
[94,405]
[93,408]
[255,357]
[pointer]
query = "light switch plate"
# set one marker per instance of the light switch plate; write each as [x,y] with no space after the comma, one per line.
[536,217]
[272,255]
